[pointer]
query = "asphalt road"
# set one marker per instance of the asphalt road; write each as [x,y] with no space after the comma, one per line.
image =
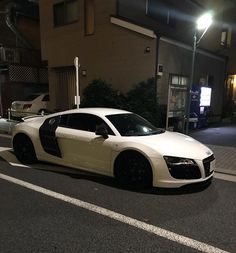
[59,217]
[5,140]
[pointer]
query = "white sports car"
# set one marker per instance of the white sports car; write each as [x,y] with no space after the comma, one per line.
[115,143]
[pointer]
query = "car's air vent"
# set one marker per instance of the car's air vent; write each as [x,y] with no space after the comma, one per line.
[207,165]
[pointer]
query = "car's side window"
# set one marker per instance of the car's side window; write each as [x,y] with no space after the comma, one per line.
[63,121]
[47,134]
[83,121]
[51,124]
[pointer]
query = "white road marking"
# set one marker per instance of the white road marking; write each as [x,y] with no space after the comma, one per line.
[20,165]
[10,158]
[160,232]
[4,149]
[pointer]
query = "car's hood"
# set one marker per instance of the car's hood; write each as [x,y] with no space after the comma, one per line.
[176,144]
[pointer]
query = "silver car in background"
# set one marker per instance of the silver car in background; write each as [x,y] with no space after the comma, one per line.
[33,104]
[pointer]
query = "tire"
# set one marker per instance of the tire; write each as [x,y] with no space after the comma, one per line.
[132,170]
[24,149]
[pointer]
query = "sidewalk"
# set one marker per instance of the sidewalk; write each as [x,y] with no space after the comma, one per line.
[219,135]
[222,140]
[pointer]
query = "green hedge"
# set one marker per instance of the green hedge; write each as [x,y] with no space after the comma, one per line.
[140,99]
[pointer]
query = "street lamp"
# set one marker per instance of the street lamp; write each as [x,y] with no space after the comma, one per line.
[202,23]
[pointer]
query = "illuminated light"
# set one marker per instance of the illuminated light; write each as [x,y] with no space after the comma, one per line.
[204,21]
[205,99]
[234,81]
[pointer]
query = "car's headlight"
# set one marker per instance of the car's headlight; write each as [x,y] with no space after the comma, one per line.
[182,168]
[176,161]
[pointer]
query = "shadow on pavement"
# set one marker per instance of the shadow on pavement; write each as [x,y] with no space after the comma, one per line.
[111,182]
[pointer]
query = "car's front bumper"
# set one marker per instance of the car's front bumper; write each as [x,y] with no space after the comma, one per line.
[163,178]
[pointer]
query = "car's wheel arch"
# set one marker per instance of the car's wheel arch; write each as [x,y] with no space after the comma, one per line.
[26,137]
[130,152]
[21,134]
[30,137]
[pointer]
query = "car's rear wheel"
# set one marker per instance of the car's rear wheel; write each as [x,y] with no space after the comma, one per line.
[24,149]
[133,170]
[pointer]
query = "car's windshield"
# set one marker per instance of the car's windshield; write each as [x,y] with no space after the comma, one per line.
[31,97]
[130,124]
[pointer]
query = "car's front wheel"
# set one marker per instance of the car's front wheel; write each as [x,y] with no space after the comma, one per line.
[133,170]
[24,149]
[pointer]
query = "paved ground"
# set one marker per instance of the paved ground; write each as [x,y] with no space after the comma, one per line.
[218,135]
[220,138]
[71,211]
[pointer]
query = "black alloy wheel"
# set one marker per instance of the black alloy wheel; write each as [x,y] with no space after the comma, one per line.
[24,149]
[133,170]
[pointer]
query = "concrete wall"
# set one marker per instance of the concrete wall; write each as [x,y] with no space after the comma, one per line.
[176,59]
[118,55]
[112,53]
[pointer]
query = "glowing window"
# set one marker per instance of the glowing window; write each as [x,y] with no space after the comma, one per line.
[205,99]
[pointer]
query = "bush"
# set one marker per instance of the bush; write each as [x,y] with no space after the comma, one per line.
[141,99]
[101,94]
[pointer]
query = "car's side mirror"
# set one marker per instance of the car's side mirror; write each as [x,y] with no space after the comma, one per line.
[102,130]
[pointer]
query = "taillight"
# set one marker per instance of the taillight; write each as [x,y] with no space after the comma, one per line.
[27,106]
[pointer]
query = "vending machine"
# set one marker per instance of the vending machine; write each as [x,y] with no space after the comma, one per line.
[200,104]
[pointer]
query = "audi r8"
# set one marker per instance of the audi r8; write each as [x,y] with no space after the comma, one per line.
[115,143]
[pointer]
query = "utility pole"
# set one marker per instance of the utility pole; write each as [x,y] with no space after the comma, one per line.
[77,66]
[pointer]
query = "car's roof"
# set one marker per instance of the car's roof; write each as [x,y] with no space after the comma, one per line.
[95,110]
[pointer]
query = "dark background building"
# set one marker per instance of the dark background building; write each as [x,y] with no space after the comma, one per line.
[21,68]
[126,42]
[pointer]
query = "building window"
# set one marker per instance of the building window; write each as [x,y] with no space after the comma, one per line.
[65,12]
[160,11]
[226,34]
[89,17]
[178,80]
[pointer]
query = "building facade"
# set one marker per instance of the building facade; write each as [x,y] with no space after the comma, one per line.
[126,42]
[21,69]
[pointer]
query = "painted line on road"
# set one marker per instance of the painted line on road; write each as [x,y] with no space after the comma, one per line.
[10,157]
[160,232]
[4,149]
